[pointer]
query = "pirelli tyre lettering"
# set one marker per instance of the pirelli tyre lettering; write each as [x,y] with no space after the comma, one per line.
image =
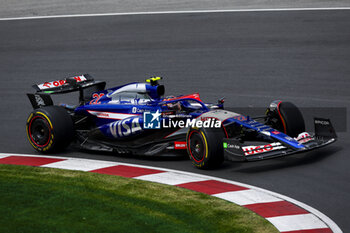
[204,147]
[40,131]
[49,129]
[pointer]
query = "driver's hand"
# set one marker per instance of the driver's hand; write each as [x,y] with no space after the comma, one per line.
[174,106]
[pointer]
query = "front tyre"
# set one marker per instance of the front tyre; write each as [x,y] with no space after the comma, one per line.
[50,129]
[204,147]
[285,117]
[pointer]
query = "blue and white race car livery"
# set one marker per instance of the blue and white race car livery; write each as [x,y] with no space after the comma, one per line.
[135,118]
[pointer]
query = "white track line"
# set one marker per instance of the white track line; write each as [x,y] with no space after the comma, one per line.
[176,12]
[287,223]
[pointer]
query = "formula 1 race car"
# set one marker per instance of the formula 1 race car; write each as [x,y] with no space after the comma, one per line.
[135,118]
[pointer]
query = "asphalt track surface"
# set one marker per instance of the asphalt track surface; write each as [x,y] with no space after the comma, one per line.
[250,58]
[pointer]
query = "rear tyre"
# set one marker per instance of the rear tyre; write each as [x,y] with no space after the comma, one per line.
[286,117]
[50,129]
[204,147]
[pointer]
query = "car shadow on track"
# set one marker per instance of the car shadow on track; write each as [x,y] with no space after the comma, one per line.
[296,160]
[168,156]
[285,162]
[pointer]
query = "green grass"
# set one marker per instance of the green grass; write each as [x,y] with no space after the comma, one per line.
[51,200]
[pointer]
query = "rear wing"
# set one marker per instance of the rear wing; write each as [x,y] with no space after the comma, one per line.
[85,84]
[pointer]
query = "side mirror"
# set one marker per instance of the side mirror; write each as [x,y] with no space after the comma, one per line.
[221,103]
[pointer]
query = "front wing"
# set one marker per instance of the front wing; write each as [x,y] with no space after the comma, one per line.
[234,150]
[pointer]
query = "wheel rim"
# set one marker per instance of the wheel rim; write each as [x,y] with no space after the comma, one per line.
[196,146]
[39,131]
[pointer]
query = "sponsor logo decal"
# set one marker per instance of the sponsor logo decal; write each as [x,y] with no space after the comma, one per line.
[180,145]
[39,100]
[125,127]
[231,146]
[240,118]
[102,115]
[137,110]
[58,83]
[250,150]
[206,118]
[321,122]
[304,137]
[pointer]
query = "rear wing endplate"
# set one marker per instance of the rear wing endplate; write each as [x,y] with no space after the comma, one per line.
[40,100]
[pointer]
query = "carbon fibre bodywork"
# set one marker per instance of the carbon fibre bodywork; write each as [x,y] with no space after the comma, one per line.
[114,119]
